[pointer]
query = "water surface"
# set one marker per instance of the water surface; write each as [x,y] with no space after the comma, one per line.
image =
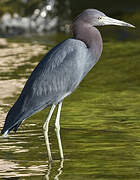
[99,124]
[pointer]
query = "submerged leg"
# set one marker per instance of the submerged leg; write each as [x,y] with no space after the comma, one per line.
[45,129]
[57,129]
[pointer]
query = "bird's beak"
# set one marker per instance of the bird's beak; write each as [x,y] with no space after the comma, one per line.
[110,21]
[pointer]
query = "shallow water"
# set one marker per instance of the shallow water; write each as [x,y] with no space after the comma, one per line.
[99,122]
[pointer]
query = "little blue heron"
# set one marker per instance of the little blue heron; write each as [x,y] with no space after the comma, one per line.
[60,72]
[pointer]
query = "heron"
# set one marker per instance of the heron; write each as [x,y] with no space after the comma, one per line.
[60,72]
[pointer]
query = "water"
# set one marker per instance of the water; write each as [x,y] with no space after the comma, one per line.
[99,124]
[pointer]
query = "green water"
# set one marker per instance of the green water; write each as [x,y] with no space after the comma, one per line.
[99,125]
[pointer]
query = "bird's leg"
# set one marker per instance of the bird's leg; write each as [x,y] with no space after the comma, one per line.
[59,170]
[57,129]
[49,171]
[45,129]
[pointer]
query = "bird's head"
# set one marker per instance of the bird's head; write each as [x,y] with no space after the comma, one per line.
[97,18]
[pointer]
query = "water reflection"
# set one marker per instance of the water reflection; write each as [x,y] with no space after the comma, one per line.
[58,171]
[6,166]
[12,59]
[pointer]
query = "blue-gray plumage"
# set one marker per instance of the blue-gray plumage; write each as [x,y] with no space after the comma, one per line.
[60,72]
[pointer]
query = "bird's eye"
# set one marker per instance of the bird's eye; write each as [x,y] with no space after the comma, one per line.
[99,18]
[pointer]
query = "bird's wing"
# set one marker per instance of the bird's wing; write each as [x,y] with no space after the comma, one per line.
[57,74]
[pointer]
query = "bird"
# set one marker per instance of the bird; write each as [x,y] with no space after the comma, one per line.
[60,72]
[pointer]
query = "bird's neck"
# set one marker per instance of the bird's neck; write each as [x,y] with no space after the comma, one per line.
[90,36]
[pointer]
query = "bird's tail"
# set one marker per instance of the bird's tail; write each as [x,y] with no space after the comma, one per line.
[6,132]
[12,122]
[14,118]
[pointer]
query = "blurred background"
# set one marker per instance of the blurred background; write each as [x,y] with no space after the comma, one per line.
[100,121]
[20,17]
